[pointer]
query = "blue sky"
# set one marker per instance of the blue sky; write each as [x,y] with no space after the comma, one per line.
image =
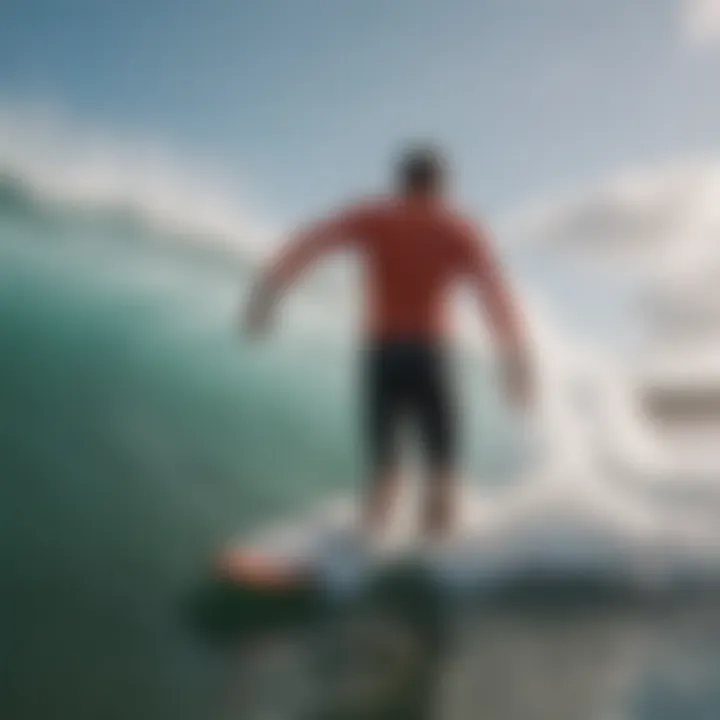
[305,99]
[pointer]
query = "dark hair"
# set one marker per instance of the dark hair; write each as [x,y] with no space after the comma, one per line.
[421,169]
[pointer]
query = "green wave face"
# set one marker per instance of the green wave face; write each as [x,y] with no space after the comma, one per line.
[137,432]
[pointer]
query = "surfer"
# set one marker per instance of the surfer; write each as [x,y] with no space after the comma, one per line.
[414,245]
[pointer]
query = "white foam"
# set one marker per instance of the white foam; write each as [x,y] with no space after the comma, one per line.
[64,161]
[557,523]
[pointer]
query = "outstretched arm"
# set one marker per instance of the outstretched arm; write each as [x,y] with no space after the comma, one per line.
[301,250]
[501,309]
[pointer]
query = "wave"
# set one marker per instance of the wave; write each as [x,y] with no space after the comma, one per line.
[553,536]
[21,203]
[138,434]
[141,211]
[55,170]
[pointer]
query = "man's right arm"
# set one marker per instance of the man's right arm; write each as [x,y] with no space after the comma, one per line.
[303,248]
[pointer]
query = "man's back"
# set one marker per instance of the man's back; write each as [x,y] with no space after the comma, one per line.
[414,249]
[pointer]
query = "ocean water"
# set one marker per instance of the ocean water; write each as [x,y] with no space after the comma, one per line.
[138,433]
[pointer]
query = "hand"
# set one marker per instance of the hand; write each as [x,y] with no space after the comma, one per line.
[517,379]
[256,321]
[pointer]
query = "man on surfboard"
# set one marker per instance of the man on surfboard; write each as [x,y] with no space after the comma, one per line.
[415,246]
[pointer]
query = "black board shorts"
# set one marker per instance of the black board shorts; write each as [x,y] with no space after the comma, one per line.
[409,381]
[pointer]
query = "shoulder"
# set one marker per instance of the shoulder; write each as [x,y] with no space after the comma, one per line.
[370,207]
[461,225]
[468,239]
[365,215]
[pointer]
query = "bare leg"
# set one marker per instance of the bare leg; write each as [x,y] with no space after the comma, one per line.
[439,510]
[380,501]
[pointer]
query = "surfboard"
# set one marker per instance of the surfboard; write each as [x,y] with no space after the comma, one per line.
[318,560]
[331,557]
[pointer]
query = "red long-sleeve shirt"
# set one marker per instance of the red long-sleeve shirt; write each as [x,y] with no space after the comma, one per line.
[414,249]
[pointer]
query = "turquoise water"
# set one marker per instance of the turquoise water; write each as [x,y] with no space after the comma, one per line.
[138,432]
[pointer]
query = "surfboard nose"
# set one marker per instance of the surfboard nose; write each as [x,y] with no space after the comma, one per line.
[253,569]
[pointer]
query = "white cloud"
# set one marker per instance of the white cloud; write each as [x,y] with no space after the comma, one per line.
[659,228]
[701,21]
[666,220]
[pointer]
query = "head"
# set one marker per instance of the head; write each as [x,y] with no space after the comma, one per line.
[421,171]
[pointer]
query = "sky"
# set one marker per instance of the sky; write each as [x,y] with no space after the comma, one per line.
[572,124]
[305,101]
